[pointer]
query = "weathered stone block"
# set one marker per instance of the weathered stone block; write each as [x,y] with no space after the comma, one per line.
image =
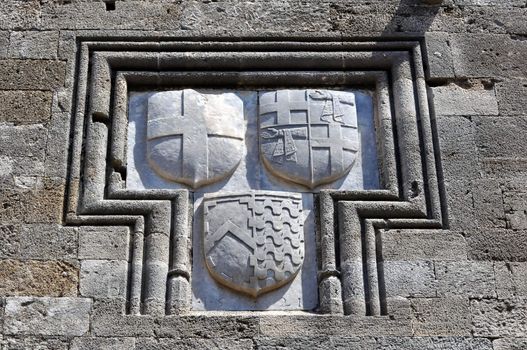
[117,325]
[25,107]
[464,101]
[47,316]
[33,44]
[423,245]
[460,201]
[38,278]
[104,242]
[9,241]
[434,343]
[504,168]
[497,137]
[515,205]
[510,344]
[216,326]
[441,316]
[44,241]
[488,204]
[37,343]
[458,148]
[498,245]
[102,343]
[190,344]
[512,97]
[499,318]
[468,278]
[40,204]
[439,54]
[480,55]
[4,43]
[103,278]
[31,74]
[409,278]
[511,279]
[30,141]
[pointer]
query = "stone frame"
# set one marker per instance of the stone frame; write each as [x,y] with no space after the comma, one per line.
[349,221]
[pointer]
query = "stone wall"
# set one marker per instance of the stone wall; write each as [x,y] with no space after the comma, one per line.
[461,286]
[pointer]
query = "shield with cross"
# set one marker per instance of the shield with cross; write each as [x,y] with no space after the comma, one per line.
[194,138]
[308,137]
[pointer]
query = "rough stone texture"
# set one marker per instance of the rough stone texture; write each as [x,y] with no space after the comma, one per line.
[9,241]
[21,74]
[88,343]
[25,107]
[44,241]
[47,316]
[24,343]
[504,245]
[464,101]
[499,318]
[34,44]
[109,243]
[510,344]
[512,97]
[511,279]
[37,278]
[103,278]
[441,316]
[469,278]
[410,278]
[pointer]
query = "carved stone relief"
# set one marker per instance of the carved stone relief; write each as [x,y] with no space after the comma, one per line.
[194,138]
[254,160]
[308,136]
[253,241]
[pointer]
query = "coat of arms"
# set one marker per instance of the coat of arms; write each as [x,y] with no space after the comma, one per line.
[194,138]
[308,136]
[253,241]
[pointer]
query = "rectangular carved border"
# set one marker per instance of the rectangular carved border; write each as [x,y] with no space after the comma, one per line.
[350,257]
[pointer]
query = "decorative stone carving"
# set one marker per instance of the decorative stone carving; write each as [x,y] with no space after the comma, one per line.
[194,138]
[253,241]
[308,137]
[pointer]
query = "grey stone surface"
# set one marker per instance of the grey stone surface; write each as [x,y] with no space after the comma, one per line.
[37,343]
[459,156]
[34,44]
[21,74]
[47,316]
[103,278]
[25,107]
[474,279]
[441,316]
[515,204]
[499,318]
[440,63]
[509,344]
[503,245]
[464,101]
[511,279]
[493,135]
[111,243]
[423,245]
[188,344]
[488,204]
[89,343]
[434,343]
[511,95]
[45,241]
[409,278]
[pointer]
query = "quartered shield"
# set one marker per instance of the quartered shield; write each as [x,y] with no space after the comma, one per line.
[194,138]
[308,137]
[253,241]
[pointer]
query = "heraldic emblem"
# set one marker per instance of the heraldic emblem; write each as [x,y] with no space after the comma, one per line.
[308,137]
[194,138]
[253,241]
